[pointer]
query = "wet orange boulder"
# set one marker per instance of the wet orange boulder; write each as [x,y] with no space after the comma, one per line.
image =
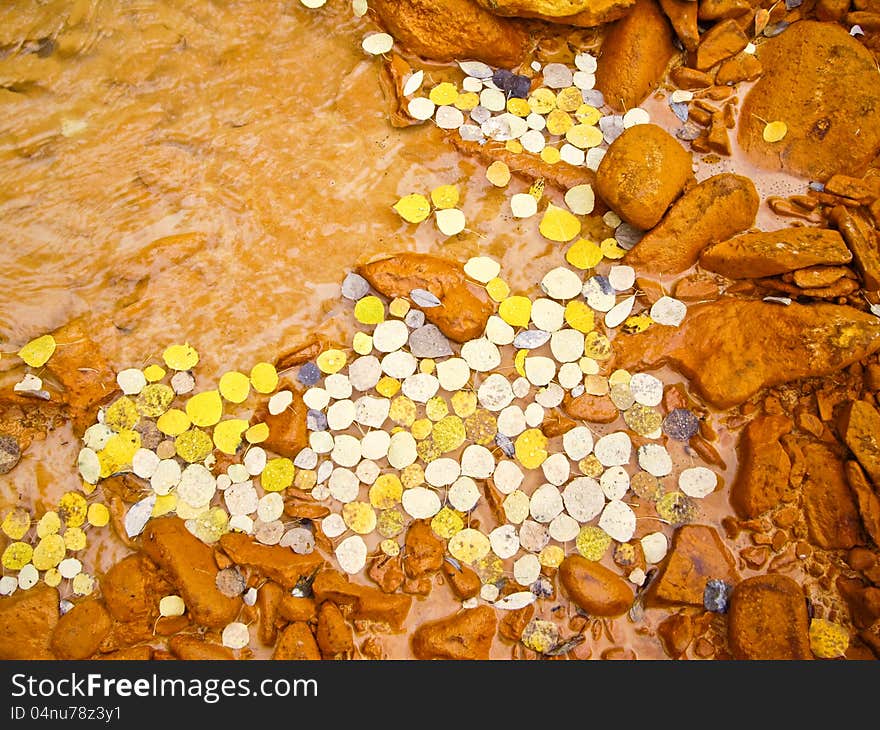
[360,601]
[27,620]
[866,498]
[275,562]
[634,56]
[721,41]
[582,13]
[742,67]
[464,307]
[723,9]
[861,239]
[768,619]
[676,634]
[697,555]
[465,635]
[423,551]
[762,479]
[596,589]
[732,348]
[683,16]
[859,426]
[829,508]
[863,600]
[296,608]
[591,408]
[296,642]
[333,635]
[132,589]
[769,253]
[643,172]
[81,630]
[448,30]
[189,565]
[288,434]
[196,648]
[465,583]
[824,86]
[714,210]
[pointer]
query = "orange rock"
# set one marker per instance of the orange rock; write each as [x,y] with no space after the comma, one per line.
[464,307]
[742,67]
[634,56]
[690,78]
[829,508]
[859,426]
[643,172]
[850,187]
[288,434]
[831,10]
[465,583]
[27,620]
[762,479]
[721,41]
[513,623]
[386,571]
[302,352]
[297,642]
[297,608]
[133,653]
[581,13]
[86,378]
[862,241]
[732,348]
[723,9]
[277,563]
[697,554]
[361,602]
[128,487]
[839,288]
[196,648]
[714,210]
[465,635]
[768,253]
[819,276]
[817,100]
[717,138]
[683,16]
[696,287]
[81,630]
[448,30]
[268,599]
[132,588]
[333,635]
[768,619]
[423,550]
[596,589]
[556,424]
[676,634]
[591,408]
[863,601]
[189,565]
[866,499]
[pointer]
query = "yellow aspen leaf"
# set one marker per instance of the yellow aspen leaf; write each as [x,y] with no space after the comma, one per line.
[559,225]
[413,208]
[37,352]
[775,131]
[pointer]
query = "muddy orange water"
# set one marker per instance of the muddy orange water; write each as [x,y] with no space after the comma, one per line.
[192,171]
